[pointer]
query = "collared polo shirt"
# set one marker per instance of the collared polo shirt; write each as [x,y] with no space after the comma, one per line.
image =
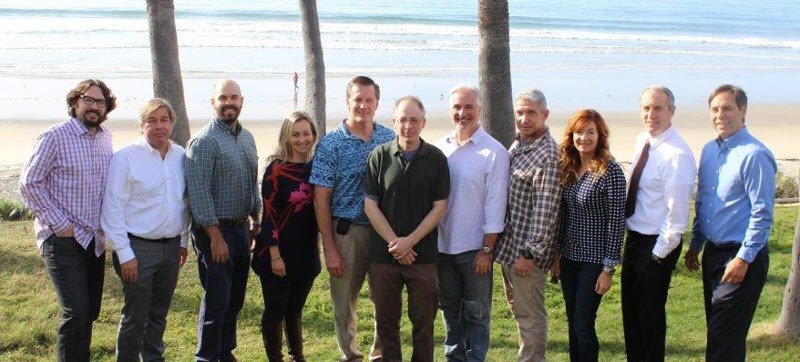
[406,191]
[340,163]
[221,174]
[735,194]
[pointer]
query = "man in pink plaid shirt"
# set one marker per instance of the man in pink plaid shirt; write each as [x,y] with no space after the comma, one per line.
[63,183]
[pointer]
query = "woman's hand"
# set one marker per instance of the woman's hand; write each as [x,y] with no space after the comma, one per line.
[278,267]
[603,283]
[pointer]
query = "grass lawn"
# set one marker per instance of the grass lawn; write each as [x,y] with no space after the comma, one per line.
[29,312]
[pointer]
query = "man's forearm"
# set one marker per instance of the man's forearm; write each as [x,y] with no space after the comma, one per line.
[430,222]
[378,220]
[490,240]
[322,210]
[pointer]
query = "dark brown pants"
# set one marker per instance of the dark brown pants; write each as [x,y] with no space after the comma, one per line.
[386,282]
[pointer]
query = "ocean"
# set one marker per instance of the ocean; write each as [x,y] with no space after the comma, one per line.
[580,53]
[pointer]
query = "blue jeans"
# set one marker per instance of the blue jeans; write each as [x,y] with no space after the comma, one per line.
[466,302]
[225,285]
[77,276]
[578,280]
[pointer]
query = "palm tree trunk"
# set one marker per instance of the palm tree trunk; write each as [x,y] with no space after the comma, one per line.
[167,81]
[315,66]
[789,321]
[497,114]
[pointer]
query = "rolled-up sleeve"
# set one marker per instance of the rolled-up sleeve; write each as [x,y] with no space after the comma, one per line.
[496,193]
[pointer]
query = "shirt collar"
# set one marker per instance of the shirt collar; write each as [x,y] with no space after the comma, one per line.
[735,139]
[146,145]
[347,134]
[78,128]
[524,145]
[225,127]
[660,138]
[476,137]
[394,147]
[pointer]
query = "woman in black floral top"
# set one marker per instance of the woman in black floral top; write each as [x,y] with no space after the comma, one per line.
[591,229]
[286,255]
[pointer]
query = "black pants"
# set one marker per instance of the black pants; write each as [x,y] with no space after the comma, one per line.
[225,285]
[645,285]
[578,280]
[283,299]
[730,307]
[78,277]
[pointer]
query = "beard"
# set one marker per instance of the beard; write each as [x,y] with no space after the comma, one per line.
[227,117]
[100,118]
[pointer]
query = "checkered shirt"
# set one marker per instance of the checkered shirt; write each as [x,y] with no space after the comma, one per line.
[534,197]
[64,181]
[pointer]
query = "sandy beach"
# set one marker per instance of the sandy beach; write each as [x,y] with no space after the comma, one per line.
[771,123]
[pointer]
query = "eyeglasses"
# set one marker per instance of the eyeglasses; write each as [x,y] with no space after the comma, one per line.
[101,103]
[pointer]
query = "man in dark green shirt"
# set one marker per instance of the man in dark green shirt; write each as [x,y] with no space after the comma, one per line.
[406,190]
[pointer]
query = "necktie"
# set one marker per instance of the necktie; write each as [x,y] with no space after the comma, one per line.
[633,188]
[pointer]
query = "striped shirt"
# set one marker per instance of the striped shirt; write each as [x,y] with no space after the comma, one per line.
[64,180]
[221,174]
[593,217]
[478,189]
[534,197]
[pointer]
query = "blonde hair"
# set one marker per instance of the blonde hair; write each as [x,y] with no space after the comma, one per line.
[570,159]
[283,151]
[152,106]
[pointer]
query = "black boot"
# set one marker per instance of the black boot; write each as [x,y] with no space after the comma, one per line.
[294,338]
[272,334]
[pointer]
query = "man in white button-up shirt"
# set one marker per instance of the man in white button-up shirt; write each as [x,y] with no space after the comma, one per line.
[660,216]
[146,220]
[476,210]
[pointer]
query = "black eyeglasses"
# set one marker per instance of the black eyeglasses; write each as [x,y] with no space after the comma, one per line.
[89,101]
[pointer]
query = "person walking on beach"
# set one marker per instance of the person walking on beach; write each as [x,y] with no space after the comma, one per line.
[657,214]
[591,227]
[63,182]
[295,79]
[338,179]
[479,167]
[527,246]
[734,204]
[406,187]
[221,179]
[286,255]
[146,220]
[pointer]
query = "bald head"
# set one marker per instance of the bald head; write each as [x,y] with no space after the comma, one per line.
[227,100]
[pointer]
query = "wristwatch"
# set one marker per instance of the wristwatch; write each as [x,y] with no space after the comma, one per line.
[609,270]
[657,258]
[488,249]
[526,254]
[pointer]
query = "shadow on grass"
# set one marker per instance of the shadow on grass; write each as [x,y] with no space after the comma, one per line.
[19,263]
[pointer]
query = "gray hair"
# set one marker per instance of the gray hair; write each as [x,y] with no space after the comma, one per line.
[466,87]
[532,95]
[412,99]
[662,89]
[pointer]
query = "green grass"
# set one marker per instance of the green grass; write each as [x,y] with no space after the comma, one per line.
[14,210]
[29,312]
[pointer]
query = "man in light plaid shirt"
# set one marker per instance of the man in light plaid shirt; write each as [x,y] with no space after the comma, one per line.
[527,246]
[63,182]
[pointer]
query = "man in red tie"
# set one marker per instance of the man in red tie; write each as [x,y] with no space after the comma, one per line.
[657,214]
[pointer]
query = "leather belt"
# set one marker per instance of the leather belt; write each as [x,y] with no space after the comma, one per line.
[162,240]
[232,223]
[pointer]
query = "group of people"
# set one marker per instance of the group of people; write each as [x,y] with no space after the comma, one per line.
[400,212]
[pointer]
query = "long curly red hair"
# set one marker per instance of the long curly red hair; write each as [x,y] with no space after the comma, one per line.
[570,159]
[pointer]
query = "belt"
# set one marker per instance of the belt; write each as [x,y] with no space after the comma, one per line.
[725,246]
[162,240]
[232,223]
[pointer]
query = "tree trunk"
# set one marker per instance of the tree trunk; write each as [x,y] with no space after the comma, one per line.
[494,65]
[315,66]
[789,321]
[167,81]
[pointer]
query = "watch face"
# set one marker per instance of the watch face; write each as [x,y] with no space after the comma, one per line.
[487,249]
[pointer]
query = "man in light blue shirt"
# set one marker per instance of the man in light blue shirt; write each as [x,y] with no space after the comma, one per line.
[734,204]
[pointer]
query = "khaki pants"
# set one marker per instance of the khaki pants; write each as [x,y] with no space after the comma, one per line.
[525,296]
[353,247]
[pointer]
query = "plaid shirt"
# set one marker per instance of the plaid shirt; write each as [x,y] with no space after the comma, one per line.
[534,197]
[221,174]
[64,180]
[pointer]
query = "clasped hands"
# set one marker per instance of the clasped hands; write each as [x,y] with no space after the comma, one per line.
[403,250]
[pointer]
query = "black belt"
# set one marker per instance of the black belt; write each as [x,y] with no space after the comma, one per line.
[162,240]
[725,246]
[232,223]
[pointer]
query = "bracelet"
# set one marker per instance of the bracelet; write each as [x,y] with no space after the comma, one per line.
[278,258]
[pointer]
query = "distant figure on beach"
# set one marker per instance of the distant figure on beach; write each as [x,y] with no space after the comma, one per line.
[407,184]
[295,79]
[286,254]
[591,228]
[146,220]
[528,244]
[221,179]
[476,210]
[340,164]
[734,204]
[63,183]
[657,214]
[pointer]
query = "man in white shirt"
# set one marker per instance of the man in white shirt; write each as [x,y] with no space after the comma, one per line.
[476,209]
[146,220]
[657,214]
